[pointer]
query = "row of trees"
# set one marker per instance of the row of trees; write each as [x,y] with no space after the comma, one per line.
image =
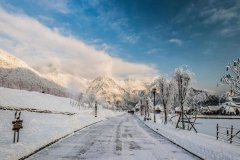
[81,100]
[176,92]
[172,92]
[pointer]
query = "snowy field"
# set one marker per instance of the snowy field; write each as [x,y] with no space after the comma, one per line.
[40,129]
[200,144]
[13,99]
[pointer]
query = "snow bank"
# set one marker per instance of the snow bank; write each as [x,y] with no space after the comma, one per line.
[202,145]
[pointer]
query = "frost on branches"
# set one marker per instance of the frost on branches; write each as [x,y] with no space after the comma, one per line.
[232,78]
[165,95]
[182,76]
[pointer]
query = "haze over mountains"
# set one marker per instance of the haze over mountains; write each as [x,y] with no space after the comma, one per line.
[17,74]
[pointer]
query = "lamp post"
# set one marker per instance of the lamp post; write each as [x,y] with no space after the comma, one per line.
[95,109]
[154,115]
[145,116]
[148,116]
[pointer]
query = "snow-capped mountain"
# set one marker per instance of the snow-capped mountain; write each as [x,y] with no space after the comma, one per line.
[105,88]
[133,85]
[15,73]
[124,93]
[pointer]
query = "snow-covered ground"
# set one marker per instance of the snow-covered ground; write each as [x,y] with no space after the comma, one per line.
[14,99]
[202,145]
[40,129]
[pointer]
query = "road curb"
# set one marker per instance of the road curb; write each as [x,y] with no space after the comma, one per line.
[170,139]
[57,140]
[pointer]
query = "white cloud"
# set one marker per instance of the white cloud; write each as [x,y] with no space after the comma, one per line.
[60,6]
[230,31]
[215,15]
[176,41]
[220,12]
[39,46]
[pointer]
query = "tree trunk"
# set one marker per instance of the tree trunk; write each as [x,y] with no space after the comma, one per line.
[165,114]
[182,116]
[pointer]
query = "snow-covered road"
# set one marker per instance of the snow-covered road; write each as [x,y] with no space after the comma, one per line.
[122,137]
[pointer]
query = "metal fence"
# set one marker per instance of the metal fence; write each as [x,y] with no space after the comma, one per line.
[229,134]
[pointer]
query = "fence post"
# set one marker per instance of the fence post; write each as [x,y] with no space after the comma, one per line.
[227,134]
[95,109]
[217,131]
[231,136]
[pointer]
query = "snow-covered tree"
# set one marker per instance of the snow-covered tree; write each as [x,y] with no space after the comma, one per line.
[80,98]
[182,76]
[165,95]
[195,99]
[3,76]
[91,99]
[233,77]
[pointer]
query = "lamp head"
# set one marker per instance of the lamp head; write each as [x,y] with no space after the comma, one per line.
[154,90]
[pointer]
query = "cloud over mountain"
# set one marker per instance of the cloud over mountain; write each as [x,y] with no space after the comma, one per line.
[41,46]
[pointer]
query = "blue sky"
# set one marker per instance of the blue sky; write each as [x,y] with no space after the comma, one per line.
[203,34]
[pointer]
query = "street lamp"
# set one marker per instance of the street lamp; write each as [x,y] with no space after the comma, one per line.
[96,109]
[145,107]
[141,108]
[148,116]
[154,93]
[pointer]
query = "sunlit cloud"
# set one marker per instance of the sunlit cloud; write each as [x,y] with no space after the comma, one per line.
[41,46]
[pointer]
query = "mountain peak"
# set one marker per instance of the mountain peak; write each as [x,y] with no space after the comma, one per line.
[107,89]
[103,78]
